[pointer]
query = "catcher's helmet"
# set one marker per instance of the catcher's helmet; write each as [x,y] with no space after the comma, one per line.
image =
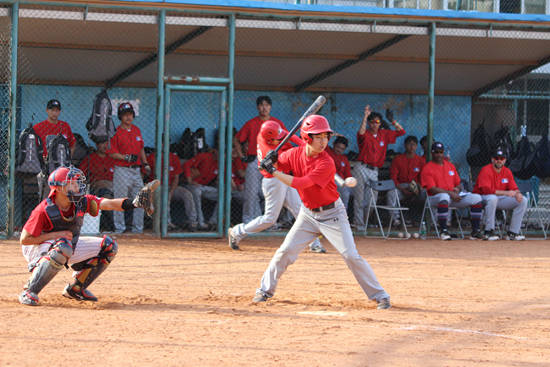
[314,124]
[271,130]
[62,176]
[125,107]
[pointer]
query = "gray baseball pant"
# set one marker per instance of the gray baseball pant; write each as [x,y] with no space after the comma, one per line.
[362,193]
[126,183]
[253,192]
[494,202]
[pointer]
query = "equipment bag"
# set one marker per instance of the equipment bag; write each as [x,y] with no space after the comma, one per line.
[523,163]
[184,147]
[29,152]
[479,153]
[81,150]
[59,153]
[542,158]
[199,141]
[100,126]
[503,140]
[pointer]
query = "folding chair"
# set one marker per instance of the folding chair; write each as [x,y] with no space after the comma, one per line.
[427,207]
[385,186]
[526,188]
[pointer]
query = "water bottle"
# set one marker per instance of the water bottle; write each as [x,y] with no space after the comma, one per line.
[423,230]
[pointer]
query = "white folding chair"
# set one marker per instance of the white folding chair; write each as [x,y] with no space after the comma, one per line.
[526,188]
[433,219]
[385,186]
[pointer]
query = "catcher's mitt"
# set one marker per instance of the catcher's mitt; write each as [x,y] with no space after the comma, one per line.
[413,186]
[144,198]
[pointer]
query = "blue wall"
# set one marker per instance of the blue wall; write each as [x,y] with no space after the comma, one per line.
[194,110]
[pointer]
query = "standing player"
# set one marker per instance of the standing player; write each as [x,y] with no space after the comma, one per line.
[322,211]
[373,143]
[51,237]
[49,128]
[276,193]
[127,150]
[497,187]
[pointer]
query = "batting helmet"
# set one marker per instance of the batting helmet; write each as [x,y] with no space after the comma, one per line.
[125,107]
[61,176]
[314,124]
[271,130]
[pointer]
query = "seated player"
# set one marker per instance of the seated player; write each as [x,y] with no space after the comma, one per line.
[51,237]
[343,168]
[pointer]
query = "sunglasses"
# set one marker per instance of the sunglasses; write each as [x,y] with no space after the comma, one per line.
[375,121]
[437,152]
[499,158]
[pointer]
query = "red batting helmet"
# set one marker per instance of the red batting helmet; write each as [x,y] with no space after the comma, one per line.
[271,130]
[61,176]
[314,124]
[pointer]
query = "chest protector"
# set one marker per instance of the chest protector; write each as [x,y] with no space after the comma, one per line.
[60,223]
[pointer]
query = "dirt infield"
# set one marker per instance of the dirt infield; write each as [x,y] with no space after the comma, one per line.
[188,303]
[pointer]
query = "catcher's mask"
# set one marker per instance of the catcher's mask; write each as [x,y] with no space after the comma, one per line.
[70,177]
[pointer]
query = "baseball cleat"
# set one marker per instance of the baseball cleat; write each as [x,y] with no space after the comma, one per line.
[477,235]
[28,298]
[318,249]
[383,304]
[515,236]
[260,297]
[444,235]
[491,236]
[233,243]
[78,294]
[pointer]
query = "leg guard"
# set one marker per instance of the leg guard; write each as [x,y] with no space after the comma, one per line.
[89,270]
[44,271]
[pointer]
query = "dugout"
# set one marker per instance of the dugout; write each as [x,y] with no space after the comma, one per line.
[217,57]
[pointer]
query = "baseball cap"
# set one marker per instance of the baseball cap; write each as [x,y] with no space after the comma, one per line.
[437,147]
[499,153]
[53,103]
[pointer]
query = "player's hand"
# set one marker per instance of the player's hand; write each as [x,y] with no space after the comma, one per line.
[271,156]
[130,158]
[454,196]
[367,111]
[66,234]
[147,169]
[519,197]
[268,166]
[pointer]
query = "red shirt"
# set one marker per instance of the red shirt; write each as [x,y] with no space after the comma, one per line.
[372,150]
[39,222]
[442,176]
[206,163]
[98,168]
[489,180]
[264,148]
[404,169]
[341,162]
[249,132]
[236,166]
[316,172]
[127,142]
[174,166]
[46,128]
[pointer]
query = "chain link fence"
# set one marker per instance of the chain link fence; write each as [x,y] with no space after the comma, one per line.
[71,54]
[5,109]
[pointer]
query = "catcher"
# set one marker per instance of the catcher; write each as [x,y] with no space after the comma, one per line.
[51,237]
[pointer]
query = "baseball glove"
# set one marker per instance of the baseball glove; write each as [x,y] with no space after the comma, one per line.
[144,198]
[413,186]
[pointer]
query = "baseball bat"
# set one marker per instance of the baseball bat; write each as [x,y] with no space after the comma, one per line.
[315,106]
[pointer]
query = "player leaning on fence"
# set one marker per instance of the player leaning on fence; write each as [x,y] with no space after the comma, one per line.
[127,150]
[51,236]
[322,211]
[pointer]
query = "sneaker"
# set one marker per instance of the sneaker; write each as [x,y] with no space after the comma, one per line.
[260,297]
[233,243]
[75,292]
[477,235]
[28,298]
[445,235]
[491,236]
[318,249]
[383,303]
[515,236]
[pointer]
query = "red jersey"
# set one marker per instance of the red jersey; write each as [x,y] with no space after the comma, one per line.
[249,132]
[98,168]
[237,165]
[206,163]
[489,180]
[263,148]
[404,169]
[442,176]
[39,222]
[127,142]
[174,166]
[313,176]
[372,150]
[46,128]
[341,162]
